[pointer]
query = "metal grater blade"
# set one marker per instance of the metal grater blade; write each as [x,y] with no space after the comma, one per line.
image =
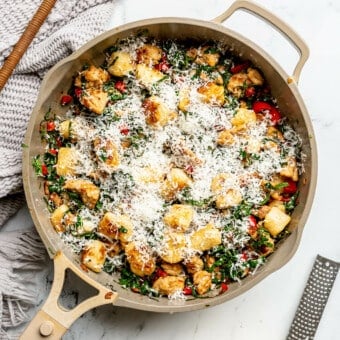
[314,299]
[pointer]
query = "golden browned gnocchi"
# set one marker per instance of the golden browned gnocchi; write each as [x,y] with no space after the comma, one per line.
[225,138]
[149,54]
[95,99]
[93,255]
[67,160]
[179,217]
[156,112]
[57,217]
[194,264]
[205,55]
[206,238]
[140,259]
[173,249]
[174,269]
[88,191]
[176,180]
[148,75]
[120,64]
[169,285]
[202,281]
[212,93]
[243,117]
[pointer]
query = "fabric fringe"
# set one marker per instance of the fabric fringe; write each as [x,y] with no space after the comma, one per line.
[22,254]
[10,205]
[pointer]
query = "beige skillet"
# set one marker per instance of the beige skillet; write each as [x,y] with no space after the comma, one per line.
[52,320]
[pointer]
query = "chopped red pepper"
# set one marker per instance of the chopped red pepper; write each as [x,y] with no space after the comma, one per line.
[59,142]
[252,221]
[291,188]
[224,287]
[275,116]
[124,130]
[65,99]
[250,92]
[239,67]
[187,290]
[260,107]
[244,256]
[252,225]
[189,169]
[160,273]
[120,86]
[163,66]
[53,151]
[44,169]
[78,91]
[50,126]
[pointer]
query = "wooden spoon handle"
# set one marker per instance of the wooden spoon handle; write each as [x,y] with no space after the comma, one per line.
[25,40]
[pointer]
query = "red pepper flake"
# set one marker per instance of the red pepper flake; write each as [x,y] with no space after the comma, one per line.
[224,287]
[187,290]
[44,169]
[120,86]
[239,67]
[78,91]
[260,107]
[50,126]
[65,100]
[291,188]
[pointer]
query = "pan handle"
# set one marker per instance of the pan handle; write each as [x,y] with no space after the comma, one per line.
[52,321]
[277,23]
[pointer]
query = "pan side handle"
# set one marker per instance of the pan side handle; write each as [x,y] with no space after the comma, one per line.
[52,321]
[277,23]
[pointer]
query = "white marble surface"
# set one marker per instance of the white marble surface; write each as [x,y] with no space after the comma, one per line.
[266,311]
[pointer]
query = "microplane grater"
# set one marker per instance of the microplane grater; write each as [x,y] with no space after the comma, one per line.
[314,299]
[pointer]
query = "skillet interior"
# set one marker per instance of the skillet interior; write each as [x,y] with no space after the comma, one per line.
[58,80]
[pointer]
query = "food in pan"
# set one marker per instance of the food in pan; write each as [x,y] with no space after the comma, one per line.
[172,167]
